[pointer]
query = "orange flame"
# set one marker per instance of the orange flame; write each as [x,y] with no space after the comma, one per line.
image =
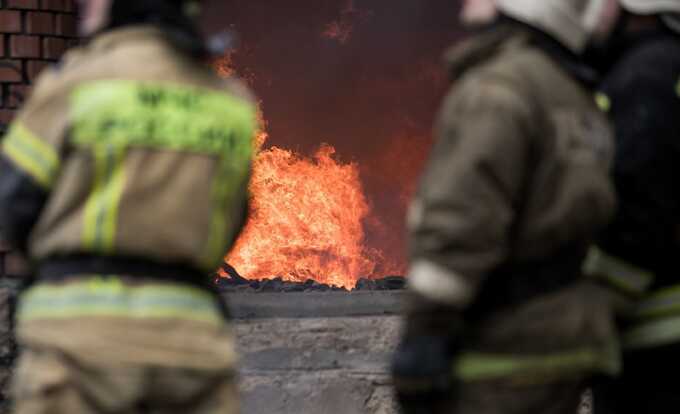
[306,220]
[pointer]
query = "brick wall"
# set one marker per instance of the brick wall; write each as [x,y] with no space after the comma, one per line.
[33,33]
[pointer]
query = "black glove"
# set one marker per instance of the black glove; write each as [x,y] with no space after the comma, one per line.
[422,366]
[422,370]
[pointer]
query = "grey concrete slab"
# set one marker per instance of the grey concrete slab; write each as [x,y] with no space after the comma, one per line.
[317,365]
[244,305]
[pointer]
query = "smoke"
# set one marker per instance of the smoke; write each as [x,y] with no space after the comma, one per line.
[364,76]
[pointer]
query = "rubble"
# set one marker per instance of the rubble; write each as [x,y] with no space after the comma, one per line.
[234,282]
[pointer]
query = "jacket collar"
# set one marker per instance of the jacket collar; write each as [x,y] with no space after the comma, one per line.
[509,34]
[129,34]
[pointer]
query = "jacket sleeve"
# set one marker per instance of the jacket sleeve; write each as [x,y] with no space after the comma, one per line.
[460,221]
[21,201]
[30,163]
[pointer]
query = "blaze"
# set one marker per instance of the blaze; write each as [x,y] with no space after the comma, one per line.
[307,218]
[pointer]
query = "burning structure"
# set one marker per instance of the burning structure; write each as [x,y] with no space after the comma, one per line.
[348,90]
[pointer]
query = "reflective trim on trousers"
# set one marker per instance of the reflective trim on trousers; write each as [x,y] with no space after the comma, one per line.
[108,296]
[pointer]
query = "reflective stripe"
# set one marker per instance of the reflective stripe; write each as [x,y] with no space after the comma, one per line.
[101,209]
[30,153]
[115,115]
[653,333]
[656,320]
[438,284]
[677,87]
[109,297]
[603,102]
[472,367]
[630,279]
[163,116]
[664,302]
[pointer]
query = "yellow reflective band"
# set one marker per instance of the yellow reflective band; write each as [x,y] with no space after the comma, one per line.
[653,333]
[665,302]
[603,102]
[473,367]
[630,279]
[30,153]
[101,209]
[677,87]
[109,297]
[163,116]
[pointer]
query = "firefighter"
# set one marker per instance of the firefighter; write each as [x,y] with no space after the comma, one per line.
[638,250]
[499,318]
[124,180]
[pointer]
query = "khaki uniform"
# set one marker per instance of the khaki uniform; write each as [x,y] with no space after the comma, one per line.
[516,188]
[142,156]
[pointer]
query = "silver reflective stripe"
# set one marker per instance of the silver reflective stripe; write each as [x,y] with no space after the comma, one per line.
[622,275]
[653,333]
[662,303]
[439,284]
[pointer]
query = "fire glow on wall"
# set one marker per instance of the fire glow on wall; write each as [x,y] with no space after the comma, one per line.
[348,93]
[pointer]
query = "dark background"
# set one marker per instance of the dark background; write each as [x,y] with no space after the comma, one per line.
[371,91]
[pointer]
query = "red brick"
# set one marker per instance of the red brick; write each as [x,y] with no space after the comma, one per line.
[55,5]
[6,116]
[17,95]
[10,21]
[22,4]
[71,6]
[67,25]
[10,74]
[53,47]
[34,67]
[39,23]
[24,46]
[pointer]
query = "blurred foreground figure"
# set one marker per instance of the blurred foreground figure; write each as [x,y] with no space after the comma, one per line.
[124,179]
[639,251]
[500,319]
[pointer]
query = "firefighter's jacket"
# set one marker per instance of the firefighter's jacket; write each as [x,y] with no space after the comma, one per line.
[516,188]
[129,149]
[640,247]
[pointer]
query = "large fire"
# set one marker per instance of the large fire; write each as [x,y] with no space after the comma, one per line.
[307,217]
[306,221]
[363,76]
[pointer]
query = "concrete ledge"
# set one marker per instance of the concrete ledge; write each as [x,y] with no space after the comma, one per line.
[314,304]
[311,365]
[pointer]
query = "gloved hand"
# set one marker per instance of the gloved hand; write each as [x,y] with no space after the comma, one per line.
[422,372]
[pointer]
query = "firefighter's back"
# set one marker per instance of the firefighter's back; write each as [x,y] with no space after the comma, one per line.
[138,157]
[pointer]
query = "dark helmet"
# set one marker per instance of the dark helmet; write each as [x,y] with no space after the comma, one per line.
[138,11]
[175,17]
